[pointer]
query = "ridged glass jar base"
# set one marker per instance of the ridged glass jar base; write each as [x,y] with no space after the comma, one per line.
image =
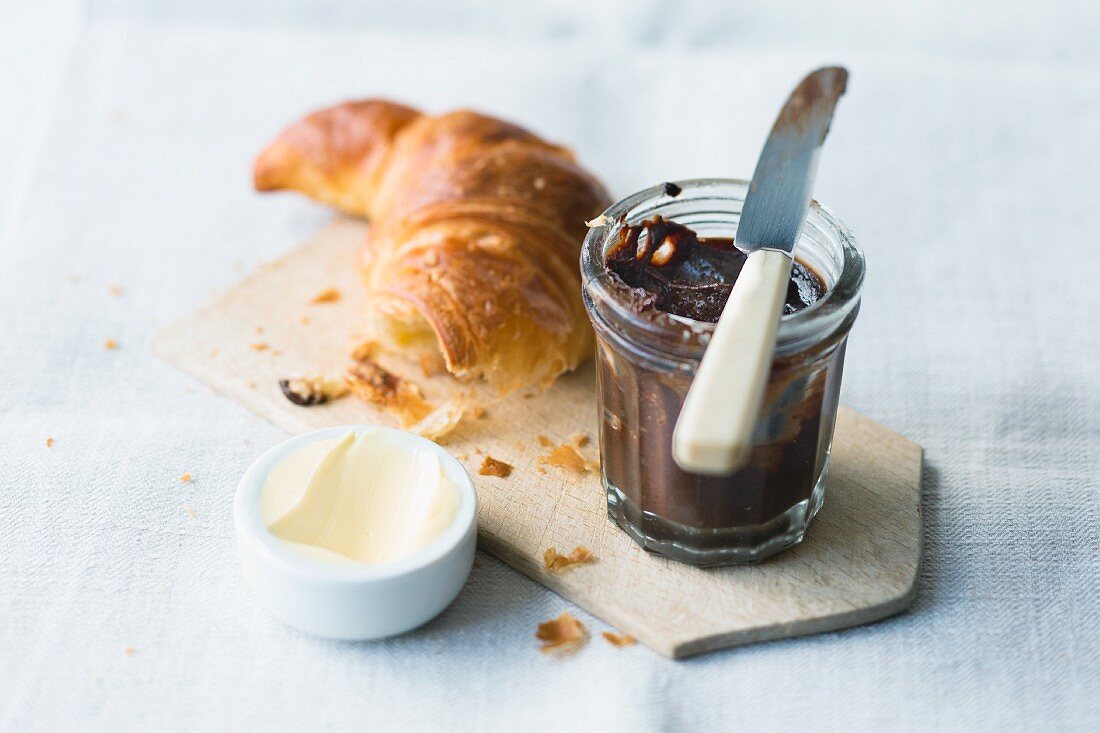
[715,547]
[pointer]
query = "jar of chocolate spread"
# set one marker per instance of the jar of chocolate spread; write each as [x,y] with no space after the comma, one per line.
[657,268]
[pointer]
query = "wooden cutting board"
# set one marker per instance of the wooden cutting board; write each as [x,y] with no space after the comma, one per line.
[858,564]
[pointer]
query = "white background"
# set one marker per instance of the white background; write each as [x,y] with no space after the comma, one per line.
[964,157]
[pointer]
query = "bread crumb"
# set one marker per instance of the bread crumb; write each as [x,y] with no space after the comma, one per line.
[186,478]
[250,384]
[190,512]
[552,562]
[371,382]
[304,320]
[49,442]
[562,633]
[477,412]
[618,640]
[307,391]
[110,344]
[259,329]
[599,221]
[331,295]
[261,346]
[568,458]
[492,467]
[578,440]
[115,290]
[128,651]
[365,350]
[545,442]
[441,421]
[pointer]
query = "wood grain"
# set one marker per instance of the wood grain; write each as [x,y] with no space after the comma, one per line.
[859,562]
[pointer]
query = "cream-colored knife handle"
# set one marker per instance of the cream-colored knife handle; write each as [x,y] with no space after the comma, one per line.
[715,429]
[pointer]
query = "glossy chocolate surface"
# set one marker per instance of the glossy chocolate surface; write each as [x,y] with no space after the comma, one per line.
[689,276]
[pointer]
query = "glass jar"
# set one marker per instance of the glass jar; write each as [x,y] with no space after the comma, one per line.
[646,359]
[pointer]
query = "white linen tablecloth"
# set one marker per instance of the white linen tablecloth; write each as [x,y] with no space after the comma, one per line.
[964,157]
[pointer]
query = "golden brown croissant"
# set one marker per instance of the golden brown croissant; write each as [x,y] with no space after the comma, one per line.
[475,237]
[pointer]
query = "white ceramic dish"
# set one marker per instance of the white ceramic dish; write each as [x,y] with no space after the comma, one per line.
[357,601]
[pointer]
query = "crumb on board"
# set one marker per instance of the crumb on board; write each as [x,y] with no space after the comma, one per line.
[441,421]
[49,442]
[477,412]
[618,640]
[190,511]
[110,344]
[579,440]
[259,329]
[186,478]
[371,382]
[364,350]
[545,442]
[128,650]
[259,346]
[569,458]
[304,320]
[553,562]
[329,295]
[492,467]
[562,633]
[312,390]
[115,290]
[249,384]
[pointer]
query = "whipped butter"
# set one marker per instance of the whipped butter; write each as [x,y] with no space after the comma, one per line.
[368,497]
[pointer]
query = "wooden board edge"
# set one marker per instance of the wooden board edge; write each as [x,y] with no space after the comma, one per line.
[891,606]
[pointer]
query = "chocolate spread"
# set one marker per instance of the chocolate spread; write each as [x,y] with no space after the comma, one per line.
[690,276]
[668,267]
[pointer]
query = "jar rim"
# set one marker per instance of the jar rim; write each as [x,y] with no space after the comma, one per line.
[796,330]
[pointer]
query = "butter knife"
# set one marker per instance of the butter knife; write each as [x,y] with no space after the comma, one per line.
[714,432]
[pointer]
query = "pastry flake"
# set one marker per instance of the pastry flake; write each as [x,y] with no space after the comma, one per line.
[553,562]
[569,458]
[619,640]
[371,382]
[492,467]
[441,421]
[564,633]
[309,391]
[331,295]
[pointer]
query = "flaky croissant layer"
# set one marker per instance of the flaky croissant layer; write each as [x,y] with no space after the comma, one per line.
[476,228]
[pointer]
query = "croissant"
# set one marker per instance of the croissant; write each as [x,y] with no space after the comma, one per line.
[476,228]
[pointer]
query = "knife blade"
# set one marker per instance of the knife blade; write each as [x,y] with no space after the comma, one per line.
[778,198]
